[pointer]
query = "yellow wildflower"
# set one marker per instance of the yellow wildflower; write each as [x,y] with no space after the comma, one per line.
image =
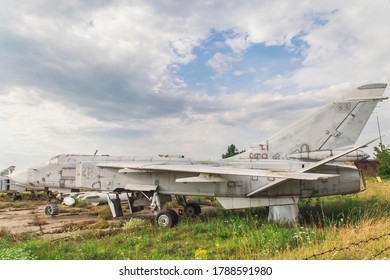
[199,253]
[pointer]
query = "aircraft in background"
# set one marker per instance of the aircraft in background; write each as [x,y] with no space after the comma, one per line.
[6,184]
[298,162]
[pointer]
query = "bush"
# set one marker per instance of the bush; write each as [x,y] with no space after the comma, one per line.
[382,155]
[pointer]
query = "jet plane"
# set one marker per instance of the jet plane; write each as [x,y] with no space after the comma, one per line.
[5,182]
[300,161]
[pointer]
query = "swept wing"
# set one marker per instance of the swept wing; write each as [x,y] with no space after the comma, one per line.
[211,170]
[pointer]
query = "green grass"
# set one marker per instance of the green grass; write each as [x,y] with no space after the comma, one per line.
[328,223]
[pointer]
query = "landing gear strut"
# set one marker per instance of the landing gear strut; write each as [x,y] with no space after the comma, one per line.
[165,218]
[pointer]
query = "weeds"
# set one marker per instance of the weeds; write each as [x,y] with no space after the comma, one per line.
[16,254]
[304,236]
[38,221]
[134,224]
[103,211]
[101,222]
[6,236]
[74,226]
[324,224]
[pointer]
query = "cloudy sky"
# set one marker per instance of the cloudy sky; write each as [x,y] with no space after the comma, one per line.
[178,77]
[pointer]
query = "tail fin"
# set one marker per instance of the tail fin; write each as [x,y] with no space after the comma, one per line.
[336,126]
[7,171]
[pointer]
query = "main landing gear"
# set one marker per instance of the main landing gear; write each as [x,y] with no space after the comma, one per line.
[192,210]
[169,218]
[165,218]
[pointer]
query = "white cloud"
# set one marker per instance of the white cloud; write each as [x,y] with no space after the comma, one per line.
[222,63]
[238,43]
[33,124]
[351,46]
[75,74]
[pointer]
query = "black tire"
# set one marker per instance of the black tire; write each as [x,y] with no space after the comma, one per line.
[52,210]
[165,219]
[199,209]
[175,216]
[192,210]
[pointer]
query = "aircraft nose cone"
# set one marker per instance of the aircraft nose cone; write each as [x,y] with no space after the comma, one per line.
[20,177]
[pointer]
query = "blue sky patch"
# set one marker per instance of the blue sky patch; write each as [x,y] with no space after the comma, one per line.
[245,71]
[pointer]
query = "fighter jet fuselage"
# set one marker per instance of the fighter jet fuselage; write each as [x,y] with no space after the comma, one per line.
[299,162]
[67,172]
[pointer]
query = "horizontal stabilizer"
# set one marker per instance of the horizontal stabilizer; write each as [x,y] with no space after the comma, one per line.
[311,167]
[332,158]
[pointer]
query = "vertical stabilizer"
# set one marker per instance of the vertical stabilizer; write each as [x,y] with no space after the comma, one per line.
[335,126]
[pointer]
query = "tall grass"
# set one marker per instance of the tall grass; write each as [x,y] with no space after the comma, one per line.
[340,227]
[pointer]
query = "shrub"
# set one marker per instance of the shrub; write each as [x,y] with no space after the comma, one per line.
[382,155]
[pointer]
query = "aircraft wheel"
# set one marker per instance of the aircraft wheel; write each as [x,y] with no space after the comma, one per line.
[165,219]
[52,210]
[174,215]
[199,210]
[192,209]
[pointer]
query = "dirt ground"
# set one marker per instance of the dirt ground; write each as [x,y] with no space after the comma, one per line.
[32,219]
